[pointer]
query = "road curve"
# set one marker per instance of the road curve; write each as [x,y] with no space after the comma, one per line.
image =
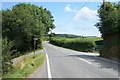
[66,63]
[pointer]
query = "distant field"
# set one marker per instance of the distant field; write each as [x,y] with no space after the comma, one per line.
[80,44]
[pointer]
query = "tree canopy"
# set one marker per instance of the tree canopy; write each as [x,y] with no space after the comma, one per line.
[109,26]
[109,20]
[20,25]
[24,22]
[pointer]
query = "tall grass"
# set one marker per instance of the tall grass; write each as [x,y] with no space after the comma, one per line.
[26,66]
[79,44]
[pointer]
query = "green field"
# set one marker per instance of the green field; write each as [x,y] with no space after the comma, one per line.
[80,44]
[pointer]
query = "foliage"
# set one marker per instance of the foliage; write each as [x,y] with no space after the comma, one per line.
[80,44]
[24,22]
[26,66]
[45,38]
[67,35]
[0,39]
[20,25]
[109,26]
[109,19]
[0,24]
[6,55]
[110,48]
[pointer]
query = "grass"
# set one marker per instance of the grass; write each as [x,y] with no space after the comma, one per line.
[26,66]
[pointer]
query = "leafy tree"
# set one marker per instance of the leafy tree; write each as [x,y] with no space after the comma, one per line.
[108,23]
[20,25]
[24,22]
[109,26]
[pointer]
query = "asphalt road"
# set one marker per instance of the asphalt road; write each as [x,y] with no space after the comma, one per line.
[66,63]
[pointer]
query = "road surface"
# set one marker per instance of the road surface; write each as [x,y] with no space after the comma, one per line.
[66,63]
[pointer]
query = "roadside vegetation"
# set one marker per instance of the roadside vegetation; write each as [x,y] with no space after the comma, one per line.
[109,26]
[25,67]
[23,27]
[22,23]
[80,44]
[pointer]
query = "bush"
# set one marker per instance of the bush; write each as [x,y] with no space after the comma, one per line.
[6,55]
[79,44]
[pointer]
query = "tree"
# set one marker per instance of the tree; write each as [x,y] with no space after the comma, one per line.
[108,23]
[25,21]
[109,26]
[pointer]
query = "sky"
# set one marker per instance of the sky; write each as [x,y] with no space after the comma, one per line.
[70,17]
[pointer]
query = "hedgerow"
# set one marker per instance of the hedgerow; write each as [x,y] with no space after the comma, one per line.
[79,44]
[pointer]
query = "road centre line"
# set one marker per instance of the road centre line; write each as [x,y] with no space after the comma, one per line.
[85,61]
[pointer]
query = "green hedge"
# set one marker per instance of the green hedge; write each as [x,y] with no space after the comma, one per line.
[79,44]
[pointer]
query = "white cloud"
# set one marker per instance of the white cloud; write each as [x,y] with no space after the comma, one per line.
[69,9]
[86,14]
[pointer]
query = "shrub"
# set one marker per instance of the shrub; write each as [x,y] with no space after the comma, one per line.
[79,44]
[6,55]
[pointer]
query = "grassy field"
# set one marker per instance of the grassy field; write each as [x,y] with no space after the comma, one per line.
[79,44]
[26,66]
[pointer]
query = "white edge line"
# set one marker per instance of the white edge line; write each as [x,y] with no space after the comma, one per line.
[48,65]
[109,60]
[85,60]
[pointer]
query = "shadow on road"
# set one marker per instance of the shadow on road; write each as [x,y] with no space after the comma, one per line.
[99,61]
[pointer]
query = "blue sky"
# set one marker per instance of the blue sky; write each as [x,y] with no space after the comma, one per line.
[70,17]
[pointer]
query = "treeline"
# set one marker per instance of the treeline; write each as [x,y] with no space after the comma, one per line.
[65,35]
[109,26]
[70,35]
[79,44]
[20,25]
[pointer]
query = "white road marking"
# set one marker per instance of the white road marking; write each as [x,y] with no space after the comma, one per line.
[85,60]
[109,60]
[48,65]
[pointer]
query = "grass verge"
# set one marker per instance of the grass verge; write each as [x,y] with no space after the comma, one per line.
[26,66]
